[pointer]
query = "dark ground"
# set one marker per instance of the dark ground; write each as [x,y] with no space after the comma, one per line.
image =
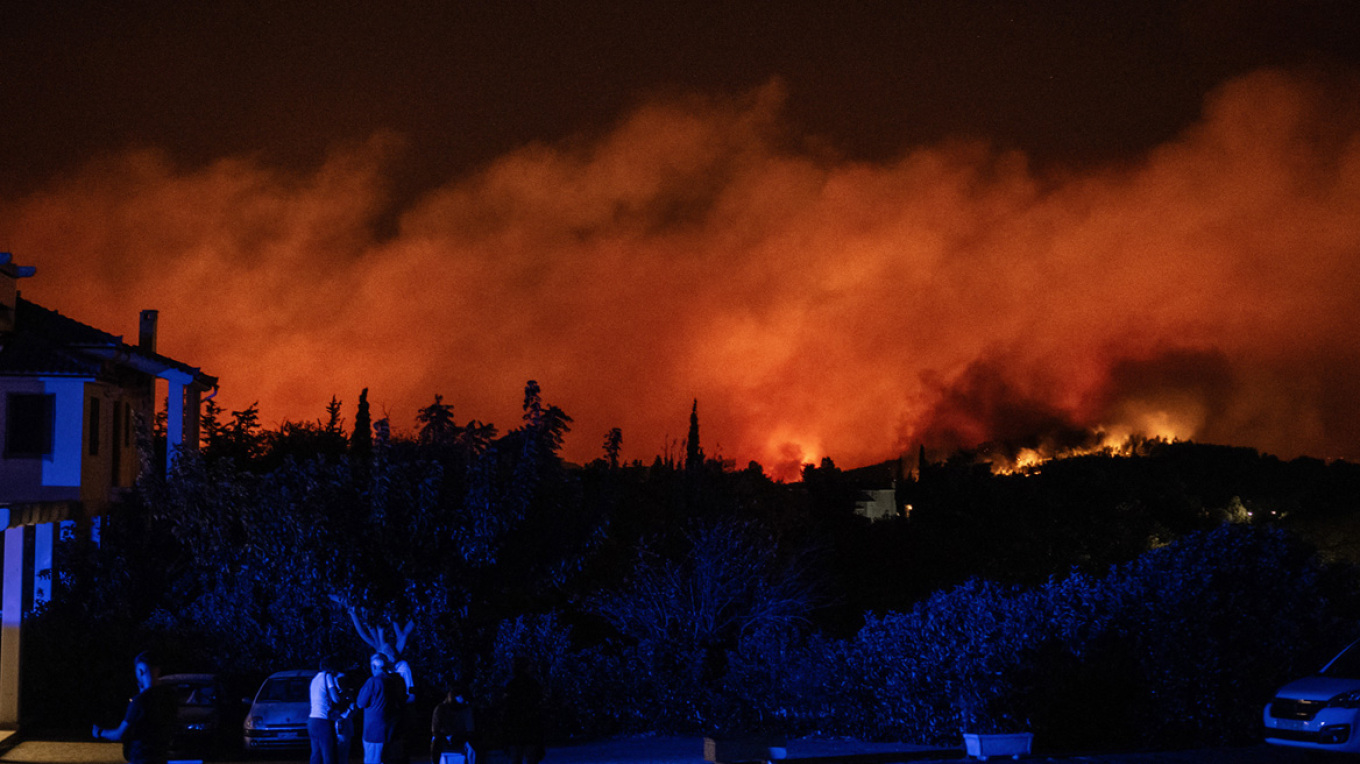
[679,751]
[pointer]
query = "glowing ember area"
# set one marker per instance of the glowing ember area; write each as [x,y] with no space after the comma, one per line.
[813,306]
[1030,461]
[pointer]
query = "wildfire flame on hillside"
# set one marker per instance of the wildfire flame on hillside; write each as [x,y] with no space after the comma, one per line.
[813,305]
[1010,460]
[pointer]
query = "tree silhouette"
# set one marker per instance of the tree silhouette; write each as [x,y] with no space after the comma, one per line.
[335,424]
[477,437]
[240,440]
[361,441]
[694,453]
[436,423]
[613,442]
[210,424]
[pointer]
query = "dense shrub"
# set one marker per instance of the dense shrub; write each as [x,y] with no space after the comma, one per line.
[1179,647]
[788,681]
[1215,623]
[678,619]
[699,600]
[572,678]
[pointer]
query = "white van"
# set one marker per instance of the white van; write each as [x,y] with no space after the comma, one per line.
[1319,712]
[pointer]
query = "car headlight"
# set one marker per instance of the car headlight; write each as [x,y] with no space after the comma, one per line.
[1346,700]
[254,721]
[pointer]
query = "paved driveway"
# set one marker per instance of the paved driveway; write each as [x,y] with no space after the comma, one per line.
[1261,754]
[667,751]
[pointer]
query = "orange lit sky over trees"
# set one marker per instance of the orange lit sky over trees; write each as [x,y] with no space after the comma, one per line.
[845,232]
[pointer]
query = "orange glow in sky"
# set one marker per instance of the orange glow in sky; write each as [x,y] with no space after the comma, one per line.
[813,306]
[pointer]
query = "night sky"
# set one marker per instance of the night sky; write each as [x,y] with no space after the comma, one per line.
[845,230]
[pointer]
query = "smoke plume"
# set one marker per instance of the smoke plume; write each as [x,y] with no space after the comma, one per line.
[813,305]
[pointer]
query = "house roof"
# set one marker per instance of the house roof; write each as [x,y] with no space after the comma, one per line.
[45,342]
[35,320]
[23,354]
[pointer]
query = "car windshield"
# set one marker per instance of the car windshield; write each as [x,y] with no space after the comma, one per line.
[194,694]
[1346,665]
[291,689]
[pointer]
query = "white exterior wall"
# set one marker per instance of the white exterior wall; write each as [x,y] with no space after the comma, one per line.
[11,619]
[878,504]
[63,467]
[56,476]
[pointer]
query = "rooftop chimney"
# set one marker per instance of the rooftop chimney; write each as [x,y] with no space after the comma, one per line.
[9,289]
[146,336]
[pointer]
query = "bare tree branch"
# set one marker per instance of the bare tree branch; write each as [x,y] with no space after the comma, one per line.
[402,633]
[371,637]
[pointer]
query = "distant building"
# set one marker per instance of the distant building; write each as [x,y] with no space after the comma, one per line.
[877,504]
[74,403]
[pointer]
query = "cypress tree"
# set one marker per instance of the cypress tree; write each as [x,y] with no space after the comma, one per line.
[613,443]
[361,442]
[694,454]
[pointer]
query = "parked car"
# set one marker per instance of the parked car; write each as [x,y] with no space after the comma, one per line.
[208,712]
[277,719]
[1319,712]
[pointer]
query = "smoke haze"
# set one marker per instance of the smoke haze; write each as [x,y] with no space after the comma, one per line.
[814,306]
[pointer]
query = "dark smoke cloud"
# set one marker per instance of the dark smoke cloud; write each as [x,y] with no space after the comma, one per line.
[984,406]
[814,306]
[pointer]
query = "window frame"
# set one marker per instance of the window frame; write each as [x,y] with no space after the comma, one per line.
[27,418]
[93,429]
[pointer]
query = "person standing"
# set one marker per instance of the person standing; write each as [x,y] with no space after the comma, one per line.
[149,724]
[344,726]
[325,712]
[524,716]
[451,729]
[402,668]
[383,699]
[410,731]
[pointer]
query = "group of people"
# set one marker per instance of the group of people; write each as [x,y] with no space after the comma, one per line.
[452,725]
[148,726]
[383,698]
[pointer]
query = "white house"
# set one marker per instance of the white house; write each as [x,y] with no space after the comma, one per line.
[74,403]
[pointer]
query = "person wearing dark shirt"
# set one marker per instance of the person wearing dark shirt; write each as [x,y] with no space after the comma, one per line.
[524,716]
[452,728]
[149,723]
[383,699]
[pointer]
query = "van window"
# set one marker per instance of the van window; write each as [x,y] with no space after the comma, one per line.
[1346,665]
